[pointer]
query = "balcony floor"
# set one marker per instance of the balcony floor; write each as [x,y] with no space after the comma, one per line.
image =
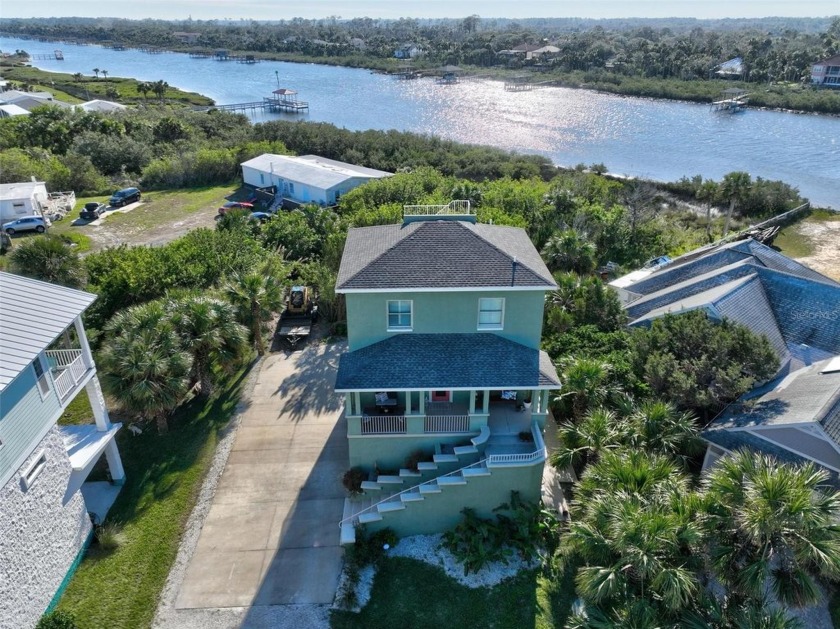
[506,420]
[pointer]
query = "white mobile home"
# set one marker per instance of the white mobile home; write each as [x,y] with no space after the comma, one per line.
[308,178]
[22,199]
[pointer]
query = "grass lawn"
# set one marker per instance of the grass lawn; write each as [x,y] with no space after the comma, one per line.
[120,588]
[163,212]
[409,594]
[792,243]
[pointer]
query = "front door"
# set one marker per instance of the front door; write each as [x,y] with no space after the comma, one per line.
[441,396]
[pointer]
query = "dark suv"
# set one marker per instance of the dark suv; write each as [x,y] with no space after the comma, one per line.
[124,197]
[92,211]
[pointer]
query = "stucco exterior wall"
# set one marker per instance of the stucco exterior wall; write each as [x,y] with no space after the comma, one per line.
[40,535]
[392,452]
[441,512]
[444,313]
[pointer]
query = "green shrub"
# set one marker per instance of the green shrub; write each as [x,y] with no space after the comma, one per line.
[57,620]
[352,480]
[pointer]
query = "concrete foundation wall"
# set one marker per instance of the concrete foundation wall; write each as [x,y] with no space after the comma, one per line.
[392,452]
[40,535]
[440,512]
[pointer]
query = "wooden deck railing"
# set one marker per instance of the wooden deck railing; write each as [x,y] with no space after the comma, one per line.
[68,369]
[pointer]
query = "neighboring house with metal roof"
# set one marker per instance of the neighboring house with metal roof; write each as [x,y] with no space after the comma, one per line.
[306,178]
[45,501]
[102,106]
[795,417]
[446,389]
[9,111]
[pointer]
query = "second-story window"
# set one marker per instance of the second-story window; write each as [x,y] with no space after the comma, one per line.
[400,314]
[41,376]
[491,313]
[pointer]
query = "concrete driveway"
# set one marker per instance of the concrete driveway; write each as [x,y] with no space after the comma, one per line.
[271,534]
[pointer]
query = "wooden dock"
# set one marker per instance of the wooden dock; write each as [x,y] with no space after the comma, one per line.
[266,104]
[55,54]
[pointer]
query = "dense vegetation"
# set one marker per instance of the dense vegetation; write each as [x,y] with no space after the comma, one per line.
[658,58]
[172,323]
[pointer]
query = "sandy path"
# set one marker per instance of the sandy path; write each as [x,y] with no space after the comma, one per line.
[825,237]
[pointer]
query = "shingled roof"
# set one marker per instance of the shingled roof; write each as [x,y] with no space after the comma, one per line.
[440,254]
[445,361]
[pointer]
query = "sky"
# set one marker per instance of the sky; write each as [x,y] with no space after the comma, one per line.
[284,9]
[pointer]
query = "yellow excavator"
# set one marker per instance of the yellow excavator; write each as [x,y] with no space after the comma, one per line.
[300,313]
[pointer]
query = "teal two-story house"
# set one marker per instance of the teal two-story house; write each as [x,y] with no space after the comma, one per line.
[46,505]
[446,390]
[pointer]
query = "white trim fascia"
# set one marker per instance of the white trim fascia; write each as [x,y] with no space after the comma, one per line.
[803,455]
[459,289]
[826,437]
[423,389]
[769,427]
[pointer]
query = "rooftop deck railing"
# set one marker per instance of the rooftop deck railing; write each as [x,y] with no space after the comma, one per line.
[68,369]
[454,208]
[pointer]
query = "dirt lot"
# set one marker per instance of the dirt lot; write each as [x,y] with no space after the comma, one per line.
[815,242]
[161,217]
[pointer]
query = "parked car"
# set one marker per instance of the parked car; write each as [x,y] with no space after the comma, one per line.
[27,224]
[236,205]
[124,197]
[92,211]
[262,217]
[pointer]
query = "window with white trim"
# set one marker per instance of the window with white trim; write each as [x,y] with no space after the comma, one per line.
[491,313]
[41,376]
[400,314]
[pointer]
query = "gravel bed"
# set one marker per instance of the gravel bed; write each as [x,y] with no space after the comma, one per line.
[428,548]
[363,588]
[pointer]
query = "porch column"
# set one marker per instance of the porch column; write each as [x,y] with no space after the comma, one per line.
[87,356]
[422,395]
[544,402]
[97,404]
[357,402]
[472,402]
[115,466]
[486,406]
[348,404]
[408,402]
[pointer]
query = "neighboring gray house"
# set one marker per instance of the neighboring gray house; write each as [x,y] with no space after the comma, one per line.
[307,178]
[45,500]
[795,417]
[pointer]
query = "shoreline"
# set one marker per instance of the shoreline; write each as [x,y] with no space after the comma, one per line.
[387,67]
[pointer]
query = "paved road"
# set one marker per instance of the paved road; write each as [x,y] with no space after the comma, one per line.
[271,534]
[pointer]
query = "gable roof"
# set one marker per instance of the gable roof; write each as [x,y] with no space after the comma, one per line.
[313,170]
[440,254]
[445,361]
[32,315]
[20,190]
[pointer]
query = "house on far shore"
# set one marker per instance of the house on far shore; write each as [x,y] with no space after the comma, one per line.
[46,504]
[408,51]
[185,37]
[307,178]
[446,389]
[826,73]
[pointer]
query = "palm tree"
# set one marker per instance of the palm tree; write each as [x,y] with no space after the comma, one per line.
[257,296]
[582,443]
[774,523]
[104,73]
[568,251]
[211,334]
[159,88]
[585,384]
[77,76]
[96,71]
[143,365]
[47,258]
[734,187]
[659,427]
[635,538]
[144,87]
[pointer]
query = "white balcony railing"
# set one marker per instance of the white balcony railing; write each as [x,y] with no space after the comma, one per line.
[454,208]
[68,369]
[539,454]
[383,425]
[446,423]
